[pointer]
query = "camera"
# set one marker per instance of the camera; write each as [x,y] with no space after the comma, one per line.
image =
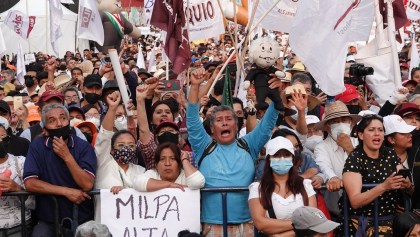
[359,70]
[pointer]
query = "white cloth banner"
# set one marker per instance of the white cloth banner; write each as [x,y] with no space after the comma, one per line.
[162,213]
[148,10]
[90,25]
[206,19]
[415,58]
[280,17]
[2,44]
[56,15]
[319,37]
[413,10]
[140,59]
[20,23]
[20,65]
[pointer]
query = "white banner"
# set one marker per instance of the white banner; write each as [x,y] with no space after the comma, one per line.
[413,10]
[90,25]
[20,66]
[148,10]
[206,19]
[56,15]
[280,17]
[2,45]
[20,23]
[162,213]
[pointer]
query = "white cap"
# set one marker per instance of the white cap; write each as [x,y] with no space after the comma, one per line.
[394,123]
[311,119]
[278,143]
[4,122]
[366,112]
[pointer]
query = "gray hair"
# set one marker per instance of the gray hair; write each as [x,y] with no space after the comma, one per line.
[302,78]
[9,72]
[221,108]
[92,229]
[49,107]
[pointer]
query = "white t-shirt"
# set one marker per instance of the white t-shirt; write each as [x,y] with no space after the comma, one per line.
[283,207]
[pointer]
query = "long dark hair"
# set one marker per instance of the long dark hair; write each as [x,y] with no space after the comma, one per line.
[363,124]
[267,185]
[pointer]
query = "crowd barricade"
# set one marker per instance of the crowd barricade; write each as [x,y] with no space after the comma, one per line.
[222,190]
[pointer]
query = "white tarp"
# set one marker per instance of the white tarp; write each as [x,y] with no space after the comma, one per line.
[39,39]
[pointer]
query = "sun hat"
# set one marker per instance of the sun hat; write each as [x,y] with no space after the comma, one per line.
[394,123]
[306,217]
[312,101]
[336,109]
[278,143]
[297,67]
[349,94]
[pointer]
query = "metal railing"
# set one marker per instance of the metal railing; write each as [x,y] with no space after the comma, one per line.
[22,195]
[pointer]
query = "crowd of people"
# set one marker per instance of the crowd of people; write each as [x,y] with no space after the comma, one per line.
[66,130]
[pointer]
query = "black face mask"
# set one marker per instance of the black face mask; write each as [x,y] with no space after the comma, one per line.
[168,137]
[63,132]
[88,136]
[353,109]
[62,67]
[29,82]
[92,98]
[240,123]
[3,149]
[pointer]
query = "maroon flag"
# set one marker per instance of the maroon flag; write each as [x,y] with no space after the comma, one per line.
[400,16]
[169,16]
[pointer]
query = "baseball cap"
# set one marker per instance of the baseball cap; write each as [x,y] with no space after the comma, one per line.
[110,84]
[349,94]
[72,108]
[407,109]
[413,82]
[33,114]
[143,71]
[278,143]
[5,106]
[92,80]
[47,95]
[311,119]
[166,123]
[394,123]
[306,217]
[88,124]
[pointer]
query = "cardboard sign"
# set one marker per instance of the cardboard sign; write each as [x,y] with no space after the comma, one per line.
[29,58]
[162,213]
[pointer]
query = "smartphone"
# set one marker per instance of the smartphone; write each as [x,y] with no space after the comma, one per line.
[330,99]
[404,172]
[17,102]
[107,59]
[171,85]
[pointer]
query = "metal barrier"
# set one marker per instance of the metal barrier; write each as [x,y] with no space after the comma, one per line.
[224,191]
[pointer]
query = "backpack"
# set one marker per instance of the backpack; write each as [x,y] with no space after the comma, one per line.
[213,144]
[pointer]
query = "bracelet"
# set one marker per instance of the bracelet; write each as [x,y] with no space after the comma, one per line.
[185,159]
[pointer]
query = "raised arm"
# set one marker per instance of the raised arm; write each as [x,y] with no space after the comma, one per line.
[143,123]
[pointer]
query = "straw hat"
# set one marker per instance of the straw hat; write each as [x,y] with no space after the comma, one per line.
[336,109]
[60,82]
[312,101]
[298,67]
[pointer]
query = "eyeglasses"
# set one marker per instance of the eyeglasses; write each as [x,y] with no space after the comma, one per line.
[74,97]
[123,145]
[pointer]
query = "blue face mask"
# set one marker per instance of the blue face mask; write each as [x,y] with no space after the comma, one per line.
[281,165]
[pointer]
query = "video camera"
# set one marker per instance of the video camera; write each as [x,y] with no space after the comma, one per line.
[357,72]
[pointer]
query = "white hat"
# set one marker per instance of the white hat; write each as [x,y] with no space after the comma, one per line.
[365,112]
[394,123]
[278,143]
[304,218]
[311,119]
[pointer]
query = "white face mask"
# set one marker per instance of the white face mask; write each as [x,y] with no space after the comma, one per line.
[312,141]
[121,123]
[73,121]
[338,128]
[95,121]
[295,116]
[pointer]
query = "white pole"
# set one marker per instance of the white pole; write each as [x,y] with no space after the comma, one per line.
[391,37]
[115,61]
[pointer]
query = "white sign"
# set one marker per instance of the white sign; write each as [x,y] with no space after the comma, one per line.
[162,213]
[206,19]
[29,58]
[413,10]
[20,23]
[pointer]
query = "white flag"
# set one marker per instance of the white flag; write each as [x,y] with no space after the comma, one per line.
[140,58]
[413,10]
[319,37]
[56,15]
[280,17]
[90,25]
[415,58]
[20,23]
[152,59]
[2,44]
[20,65]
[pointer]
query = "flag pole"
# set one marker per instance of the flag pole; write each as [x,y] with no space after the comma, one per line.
[47,19]
[391,38]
